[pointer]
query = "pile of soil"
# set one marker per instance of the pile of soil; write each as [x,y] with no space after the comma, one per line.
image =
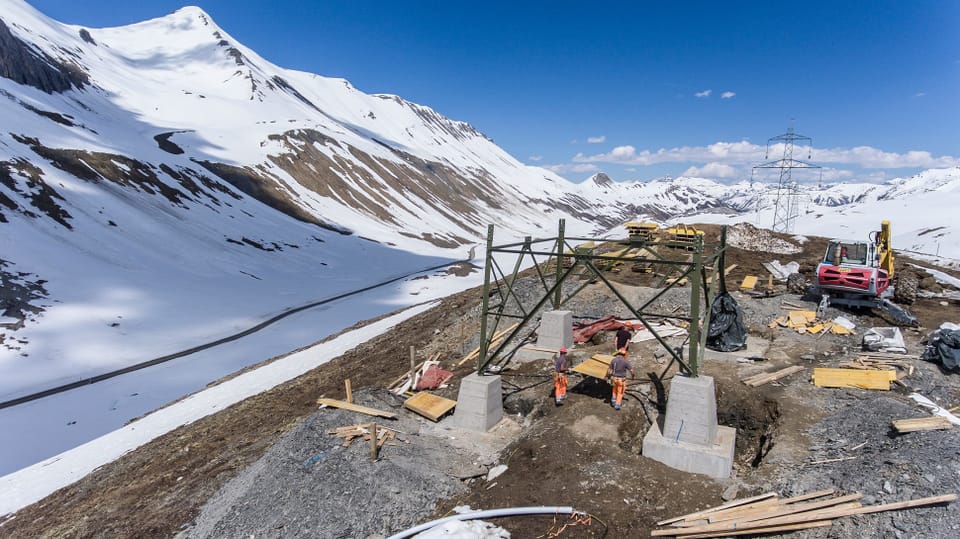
[269,467]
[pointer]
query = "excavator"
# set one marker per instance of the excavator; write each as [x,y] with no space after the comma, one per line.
[859,273]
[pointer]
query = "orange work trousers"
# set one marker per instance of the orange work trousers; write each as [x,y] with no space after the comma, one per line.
[619,386]
[559,385]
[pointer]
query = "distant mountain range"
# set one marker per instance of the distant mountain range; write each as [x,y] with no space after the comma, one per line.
[169,147]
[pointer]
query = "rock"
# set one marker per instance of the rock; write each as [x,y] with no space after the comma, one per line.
[888,487]
[496,471]
[730,492]
[808,357]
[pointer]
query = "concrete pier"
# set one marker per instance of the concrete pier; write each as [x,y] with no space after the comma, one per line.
[479,403]
[691,439]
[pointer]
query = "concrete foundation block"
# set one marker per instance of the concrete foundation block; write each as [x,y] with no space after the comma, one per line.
[692,411]
[479,403]
[556,330]
[714,460]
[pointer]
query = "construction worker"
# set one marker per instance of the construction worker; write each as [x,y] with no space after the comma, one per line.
[618,369]
[560,376]
[624,334]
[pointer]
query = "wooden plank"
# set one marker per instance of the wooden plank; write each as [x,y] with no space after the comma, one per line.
[771,529]
[355,408]
[809,516]
[731,503]
[924,423]
[823,377]
[748,282]
[766,378]
[704,519]
[349,389]
[429,405]
[373,441]
[493,342]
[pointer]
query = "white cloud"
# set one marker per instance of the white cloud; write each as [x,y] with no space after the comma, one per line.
[727,95]
[711,170]
[535,158]
[919,94]
[572,167]
[746,153]
[705,93]
[597,140]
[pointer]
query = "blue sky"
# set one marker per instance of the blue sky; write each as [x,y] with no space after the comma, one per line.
[635,89]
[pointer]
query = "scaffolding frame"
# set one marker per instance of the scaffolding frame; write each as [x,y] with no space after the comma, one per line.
[704,270]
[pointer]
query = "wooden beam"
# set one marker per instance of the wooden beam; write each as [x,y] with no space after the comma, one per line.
[373,441]
[349,389]
[924,423]
[355,408]
[767,377]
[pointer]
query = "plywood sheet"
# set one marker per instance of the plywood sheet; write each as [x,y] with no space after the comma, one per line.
[853,378]
[596,366]
[429,405]
[749,282]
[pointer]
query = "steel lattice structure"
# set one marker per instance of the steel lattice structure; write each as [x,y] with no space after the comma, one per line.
[787,202]
[502,300]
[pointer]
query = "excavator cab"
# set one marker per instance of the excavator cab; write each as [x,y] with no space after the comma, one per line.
[850,253]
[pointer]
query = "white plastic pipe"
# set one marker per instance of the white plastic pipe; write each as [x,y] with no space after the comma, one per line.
[491,513]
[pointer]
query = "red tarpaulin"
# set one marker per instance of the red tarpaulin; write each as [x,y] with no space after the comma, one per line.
[584,331]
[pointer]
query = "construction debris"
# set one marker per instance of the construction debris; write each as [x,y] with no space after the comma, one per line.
[934,408]
[780,271]
[748,282]
[364,431]
[853,378]
[884,340]
[805,321]
[774,515]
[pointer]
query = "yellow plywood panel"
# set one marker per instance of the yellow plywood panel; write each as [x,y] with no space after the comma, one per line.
[837,329]
[862,379]
[815,328]
[596,366]
[429,405]
[749,282]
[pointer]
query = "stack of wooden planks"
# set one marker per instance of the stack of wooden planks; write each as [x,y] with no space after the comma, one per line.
[768,513]
[854,378]
[880,361]
[352,433]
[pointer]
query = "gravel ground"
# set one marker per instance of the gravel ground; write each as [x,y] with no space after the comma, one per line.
[309,485]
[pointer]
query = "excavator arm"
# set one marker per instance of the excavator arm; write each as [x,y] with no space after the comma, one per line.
[884,249]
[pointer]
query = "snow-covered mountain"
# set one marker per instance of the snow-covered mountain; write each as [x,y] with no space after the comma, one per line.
[163,185]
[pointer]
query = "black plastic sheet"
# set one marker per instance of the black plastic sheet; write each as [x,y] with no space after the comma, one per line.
[727,332]
[944,348]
